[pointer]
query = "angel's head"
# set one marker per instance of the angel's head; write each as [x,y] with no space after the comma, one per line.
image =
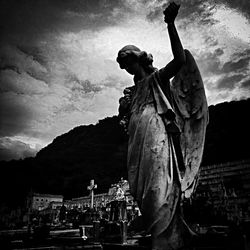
[132,59]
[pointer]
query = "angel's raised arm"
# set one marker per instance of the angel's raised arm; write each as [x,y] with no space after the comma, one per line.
[173,66]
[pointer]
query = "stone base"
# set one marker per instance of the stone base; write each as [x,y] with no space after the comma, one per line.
[113,246]
[116,232]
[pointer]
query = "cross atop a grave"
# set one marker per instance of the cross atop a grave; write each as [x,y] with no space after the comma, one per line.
[91,188]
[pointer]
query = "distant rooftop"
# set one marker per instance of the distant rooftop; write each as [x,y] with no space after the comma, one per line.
[48,195]
[88,196]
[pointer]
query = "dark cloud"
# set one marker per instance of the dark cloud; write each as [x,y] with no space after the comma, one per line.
[246,84]
[241,5]
[38,77]
[229,82]
[156,12]
[35,53]
[209,62]
[219,52]
[211,41]
[10,67]
[239,65]
[27,19]
[20,78]
[12,149]
[196,11]
[78,85]
[19,61]
[230,74]
[15,115]
[244,53]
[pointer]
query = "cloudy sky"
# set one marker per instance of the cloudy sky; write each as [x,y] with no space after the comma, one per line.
[58,65]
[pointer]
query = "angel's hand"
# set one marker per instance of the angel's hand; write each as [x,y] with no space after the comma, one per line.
[171,12]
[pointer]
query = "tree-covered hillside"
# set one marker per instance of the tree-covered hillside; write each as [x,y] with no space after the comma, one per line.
[99,152]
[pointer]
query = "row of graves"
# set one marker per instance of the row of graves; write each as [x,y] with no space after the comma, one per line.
[109,225]
[105,224]
[84,222]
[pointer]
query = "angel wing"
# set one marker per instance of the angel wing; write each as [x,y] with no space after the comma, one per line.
[190,105]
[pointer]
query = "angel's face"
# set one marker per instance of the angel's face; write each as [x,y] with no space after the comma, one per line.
[131,65]
[133,68]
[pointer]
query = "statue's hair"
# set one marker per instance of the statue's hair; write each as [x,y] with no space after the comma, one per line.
[145,59]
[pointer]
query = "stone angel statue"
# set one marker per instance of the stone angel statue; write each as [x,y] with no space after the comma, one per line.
[166,124]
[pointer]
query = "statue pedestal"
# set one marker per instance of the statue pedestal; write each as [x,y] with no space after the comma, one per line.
[118,211]
[117,246]
[96,231]
[116,229]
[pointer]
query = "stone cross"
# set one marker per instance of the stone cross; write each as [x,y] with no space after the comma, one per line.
[91,188]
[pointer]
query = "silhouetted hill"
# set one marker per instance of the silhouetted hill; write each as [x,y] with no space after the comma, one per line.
[228,132]
[99,152]
[86,152]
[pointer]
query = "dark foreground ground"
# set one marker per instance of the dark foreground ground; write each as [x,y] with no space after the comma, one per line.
[70,239]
